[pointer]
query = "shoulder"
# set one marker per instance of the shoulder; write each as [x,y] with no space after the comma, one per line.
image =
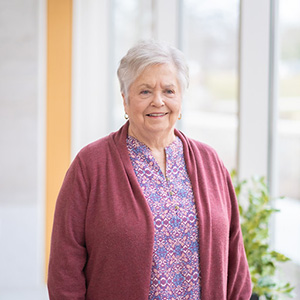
[91,154]
[203,148]
[94,149]
[94,156]
[88,160]
[200,149]
[103,152]
[208,155]
[105,146]
[203,158]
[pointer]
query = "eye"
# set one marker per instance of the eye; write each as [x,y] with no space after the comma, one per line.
[169,91]
[145,92]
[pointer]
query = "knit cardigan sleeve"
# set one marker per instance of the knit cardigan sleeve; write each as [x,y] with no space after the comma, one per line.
[66,278]
[239,282]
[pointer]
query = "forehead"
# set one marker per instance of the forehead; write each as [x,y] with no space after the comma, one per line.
[161,72]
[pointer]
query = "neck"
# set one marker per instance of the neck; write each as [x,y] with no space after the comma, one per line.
[157,141]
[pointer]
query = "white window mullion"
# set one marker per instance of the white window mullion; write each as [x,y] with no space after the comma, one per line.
[273,99]
[254,88]
[89,72]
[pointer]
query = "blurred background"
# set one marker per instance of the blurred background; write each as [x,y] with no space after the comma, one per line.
[59,91]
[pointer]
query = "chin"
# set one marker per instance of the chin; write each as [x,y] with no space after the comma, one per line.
[160,128]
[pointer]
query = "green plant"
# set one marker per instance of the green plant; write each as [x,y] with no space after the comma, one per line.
[255,212]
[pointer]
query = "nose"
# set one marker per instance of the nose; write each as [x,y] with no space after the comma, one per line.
[158,100]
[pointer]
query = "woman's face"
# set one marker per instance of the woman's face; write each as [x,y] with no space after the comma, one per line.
[154,101]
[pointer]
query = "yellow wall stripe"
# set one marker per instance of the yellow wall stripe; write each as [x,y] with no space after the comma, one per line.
[58,149]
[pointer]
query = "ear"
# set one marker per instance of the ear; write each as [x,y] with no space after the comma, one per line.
[124,100]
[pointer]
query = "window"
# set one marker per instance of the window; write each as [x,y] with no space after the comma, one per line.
[211,45]
[289,99]
[287,224]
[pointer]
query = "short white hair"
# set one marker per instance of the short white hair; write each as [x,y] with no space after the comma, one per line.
[147,53]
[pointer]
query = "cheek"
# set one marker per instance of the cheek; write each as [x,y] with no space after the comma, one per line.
[135,109]
[175,105]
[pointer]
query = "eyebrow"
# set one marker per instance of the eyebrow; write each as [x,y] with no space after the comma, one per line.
[145,85]
[170,86]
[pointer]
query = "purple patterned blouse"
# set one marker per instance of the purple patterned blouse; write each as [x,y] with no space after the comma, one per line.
[175,268]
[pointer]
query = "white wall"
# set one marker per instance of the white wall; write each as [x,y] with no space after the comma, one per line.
[21,221]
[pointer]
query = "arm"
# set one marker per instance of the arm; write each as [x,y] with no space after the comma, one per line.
[66,278]
[239,282]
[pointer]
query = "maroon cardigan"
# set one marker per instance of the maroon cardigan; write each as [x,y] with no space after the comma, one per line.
[103,231]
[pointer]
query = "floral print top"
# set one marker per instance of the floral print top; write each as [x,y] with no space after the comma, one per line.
[175,267]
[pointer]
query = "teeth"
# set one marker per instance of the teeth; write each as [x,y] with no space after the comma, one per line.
[156,115]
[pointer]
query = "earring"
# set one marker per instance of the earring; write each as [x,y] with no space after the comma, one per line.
[126,116]
[180,116]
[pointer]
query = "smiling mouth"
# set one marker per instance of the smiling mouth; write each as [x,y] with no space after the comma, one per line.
[156,115]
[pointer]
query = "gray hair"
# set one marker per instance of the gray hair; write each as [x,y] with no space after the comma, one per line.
[147,53]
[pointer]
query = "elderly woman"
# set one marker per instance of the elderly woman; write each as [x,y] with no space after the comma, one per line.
[147,213]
